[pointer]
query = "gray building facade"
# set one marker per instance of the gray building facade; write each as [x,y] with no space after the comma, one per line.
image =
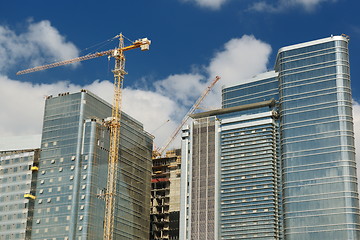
[18,177]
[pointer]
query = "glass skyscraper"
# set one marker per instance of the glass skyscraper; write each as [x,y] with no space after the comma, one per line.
[73,170]
[284,151]
[250,201]
[317,141]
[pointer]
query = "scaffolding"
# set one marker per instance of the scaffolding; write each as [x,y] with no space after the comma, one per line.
[164,209]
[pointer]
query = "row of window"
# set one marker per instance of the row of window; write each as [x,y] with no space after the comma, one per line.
[15,216]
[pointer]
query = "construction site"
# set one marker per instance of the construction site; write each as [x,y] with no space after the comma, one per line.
[153,176]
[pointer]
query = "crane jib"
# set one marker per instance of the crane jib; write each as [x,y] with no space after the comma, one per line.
[143,44]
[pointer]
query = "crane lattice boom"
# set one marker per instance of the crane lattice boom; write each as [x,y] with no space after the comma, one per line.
[141,43]
[192,109]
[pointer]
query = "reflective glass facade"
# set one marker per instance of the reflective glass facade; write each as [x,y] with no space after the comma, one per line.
[250,163]
[73,170]
[18,174]
[249,176]
[317,141]
[260,88]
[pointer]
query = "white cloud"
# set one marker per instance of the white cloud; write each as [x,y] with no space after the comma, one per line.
[282,5]
[211,4]
[181,87]
[50,42]
[41,43]
[150,108]
[22,105]
[240,59]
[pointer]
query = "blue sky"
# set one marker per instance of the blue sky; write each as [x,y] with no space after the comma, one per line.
[192,41]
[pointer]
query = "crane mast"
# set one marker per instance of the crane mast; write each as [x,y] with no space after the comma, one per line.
[113,123]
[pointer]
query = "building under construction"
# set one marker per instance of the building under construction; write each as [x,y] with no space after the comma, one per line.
[165,196]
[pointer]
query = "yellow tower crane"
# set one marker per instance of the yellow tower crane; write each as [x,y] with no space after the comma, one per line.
[114,123]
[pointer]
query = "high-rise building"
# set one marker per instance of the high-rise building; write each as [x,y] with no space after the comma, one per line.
[73,172]
[241,191]
[165,196]
[317,141]
[18,175]
[250,200]
[199,176]
[284,152]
